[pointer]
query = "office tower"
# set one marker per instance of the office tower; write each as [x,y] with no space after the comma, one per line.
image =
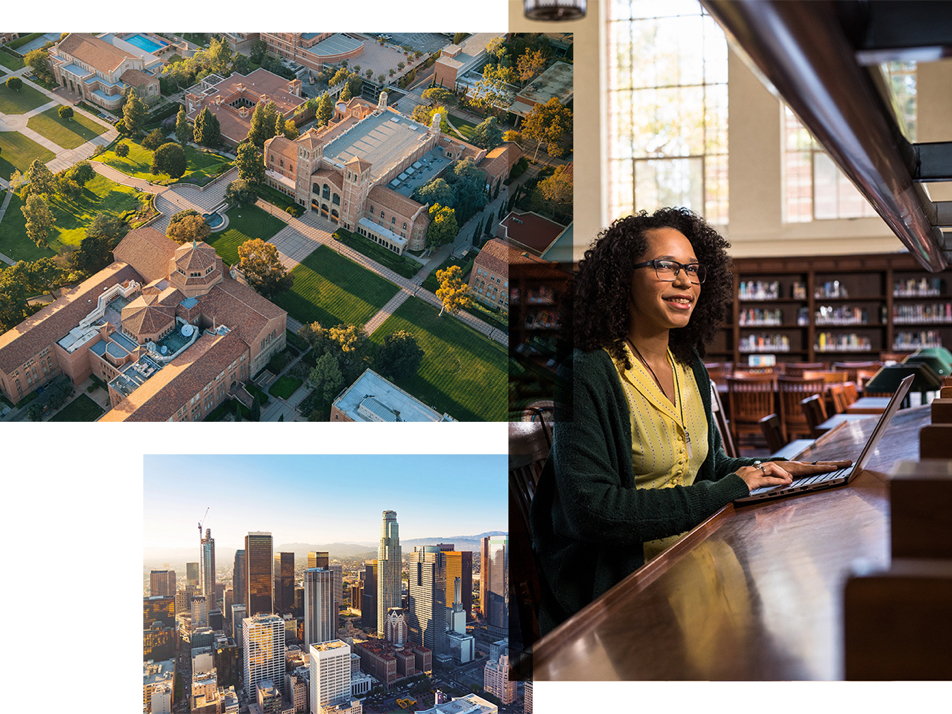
[263,651]
[426,620]
[216,620]
[202,660]
[330,674]
[199,612]
[496,680]
[456,615]
[158,642]
[389,568]
[320,617]
[395,631]
[495,568]
[204,694]
[259,566]
[183,599]
[318,559]
[338,572]
[228,602]
[269,697]
[356,594]
[459,564]
[296,684]
[208,567]
[162,582]
[283,582]
[227,662]
[238,583]
[527,698]
[238,613]
[368,598]
[158,608]
[193,574]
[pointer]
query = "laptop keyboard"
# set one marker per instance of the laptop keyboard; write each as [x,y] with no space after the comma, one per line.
[807,481]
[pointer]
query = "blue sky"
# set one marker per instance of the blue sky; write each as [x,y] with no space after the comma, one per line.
[321,498]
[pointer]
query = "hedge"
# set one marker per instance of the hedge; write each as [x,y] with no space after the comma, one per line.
[23,40]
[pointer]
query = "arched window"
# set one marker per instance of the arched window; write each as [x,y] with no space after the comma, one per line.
[326,191]
[336,199]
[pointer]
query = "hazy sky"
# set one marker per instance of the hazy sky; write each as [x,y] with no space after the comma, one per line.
[321,499]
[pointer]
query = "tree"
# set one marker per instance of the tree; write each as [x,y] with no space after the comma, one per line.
[255,414]
[459,37]
[325,109]
[133,113]
[169,159]
[35,412]
[424,114]
[14,84]
[369,74]
[443,227]
[530,64]
[352,347]
[554,193]
[548,124]
[487,134]
[286,128]
[249,162]
[345,94]
[122,150]
[39,220]
[240,193]
[437,95]
[512,135]
[154,140]
[326,376]
[469,184]
[380,78]
[38,61]
[43,275]
[207,128]
[453,292]
[497,48]
[82,173]
[399,356]
[219,55]
[65,112]
[258,50]
[187,226]
[436,191]
[262,123]
[263,269]
[316,336]
[94,251]
[40,178]
[182,130]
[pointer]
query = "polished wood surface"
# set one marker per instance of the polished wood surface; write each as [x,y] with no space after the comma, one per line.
[754,593]
[838,419]
[868,405]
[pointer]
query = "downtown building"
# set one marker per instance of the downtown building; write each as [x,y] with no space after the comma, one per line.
[389,569]
[208,568]
[368,595]
[283,582]
[494,584]
[320,607]
[427,613]
[259,567]
[162,582]
[330,675]
[263,651]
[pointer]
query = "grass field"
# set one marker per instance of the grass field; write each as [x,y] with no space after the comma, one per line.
[18,152]
[80,409]
[463,373]
[285,386]
[70,218]
[407,267]
[465,128]
[68,134]
[10,62]
[331,290]
[138,163]
[20,102]
[243,224]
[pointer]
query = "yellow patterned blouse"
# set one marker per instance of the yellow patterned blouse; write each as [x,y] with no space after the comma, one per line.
[660,456]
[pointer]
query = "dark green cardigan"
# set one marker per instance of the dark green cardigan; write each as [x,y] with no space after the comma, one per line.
[589,521]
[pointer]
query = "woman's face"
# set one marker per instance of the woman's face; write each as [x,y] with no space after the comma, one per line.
[657,304]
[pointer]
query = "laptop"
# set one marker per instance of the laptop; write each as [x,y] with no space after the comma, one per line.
[819,482]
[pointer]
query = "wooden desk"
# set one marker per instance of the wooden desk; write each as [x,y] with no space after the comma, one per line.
[754,593]
[868,405]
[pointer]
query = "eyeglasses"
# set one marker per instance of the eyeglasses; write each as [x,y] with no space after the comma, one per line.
[668,270]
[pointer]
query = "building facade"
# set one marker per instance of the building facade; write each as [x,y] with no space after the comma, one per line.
[389,569]
[259,565]
[368,595]
[283,582]
[162,582]
[329,674]
[426,617]
[495,567]
[263,651]
[208,567]
[320,613]
[238,578]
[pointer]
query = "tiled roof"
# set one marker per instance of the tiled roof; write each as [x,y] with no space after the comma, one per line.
[494,257]
[358,164]
[239,307]
[147,315]
[59,317]
[137,78]
[175,384]
[531,230]
[283,147]
[198,257]
[93,51]
[148,251]
[333,177]
[499,161]
[390,199]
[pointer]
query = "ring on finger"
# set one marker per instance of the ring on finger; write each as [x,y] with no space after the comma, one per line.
[760,465]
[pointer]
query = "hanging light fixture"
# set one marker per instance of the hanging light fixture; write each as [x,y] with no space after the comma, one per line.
[555,10]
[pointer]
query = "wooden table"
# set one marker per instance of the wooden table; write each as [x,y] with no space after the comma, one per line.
[868,405]
[753,593]
[837,419]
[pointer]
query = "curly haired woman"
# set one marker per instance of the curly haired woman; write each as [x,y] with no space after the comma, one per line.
[640,461]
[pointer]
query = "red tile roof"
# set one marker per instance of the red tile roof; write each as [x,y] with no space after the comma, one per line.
[531,230]
[97,53]
[148,251]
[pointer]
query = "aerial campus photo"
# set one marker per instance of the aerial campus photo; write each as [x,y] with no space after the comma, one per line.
[276,226]
[396,602]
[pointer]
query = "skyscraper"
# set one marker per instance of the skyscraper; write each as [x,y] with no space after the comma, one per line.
[199,612]
[368,598]
[193,574]
[459,564]
[283,582]
[320,617]
[162,582]
[389,567]
[337,570]
[259,566]
[208,568]
[330,674]
[495,568]
[426,620]
[238,583]
[263,652]
[158,608]
[318,559]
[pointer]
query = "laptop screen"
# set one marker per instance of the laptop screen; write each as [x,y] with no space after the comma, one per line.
[881,425]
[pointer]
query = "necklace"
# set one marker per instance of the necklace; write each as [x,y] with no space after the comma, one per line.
[677,382]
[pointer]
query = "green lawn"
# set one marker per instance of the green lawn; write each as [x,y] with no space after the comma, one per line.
[66,133]
[285,386]
[10,62]
[331,289]
[21,102]
[18,152]
[465,128]
[401,265]
[243,224]
[71,218]
[80,409]
[463,373]
[138,163]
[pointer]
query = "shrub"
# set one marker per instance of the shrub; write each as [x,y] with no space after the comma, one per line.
[154,140]
[122,150]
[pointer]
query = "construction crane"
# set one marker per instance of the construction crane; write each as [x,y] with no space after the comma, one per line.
[202,521]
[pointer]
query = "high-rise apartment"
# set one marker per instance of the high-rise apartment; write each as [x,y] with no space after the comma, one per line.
[330,674]
[259,578]
[426,619]
[320,614]
[263,652]
[283,582]
[238,583]
[389,568]
[368,598]
[495,570]
[208,568]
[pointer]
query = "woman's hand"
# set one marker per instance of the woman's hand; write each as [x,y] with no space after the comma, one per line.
[770,473]
[800,469]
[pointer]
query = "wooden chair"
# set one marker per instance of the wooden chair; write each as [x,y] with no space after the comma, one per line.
[815,413]
[796,369]
[718,370]
[843,395]
[863,375]
[529,443]
[792,391]
[829,376]
[720,420]
[852,369]
[772,429]
[750,398]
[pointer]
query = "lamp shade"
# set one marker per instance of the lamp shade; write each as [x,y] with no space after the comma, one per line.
[555,10]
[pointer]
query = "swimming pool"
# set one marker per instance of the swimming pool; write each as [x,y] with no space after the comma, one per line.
[213,219]
[145,43]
